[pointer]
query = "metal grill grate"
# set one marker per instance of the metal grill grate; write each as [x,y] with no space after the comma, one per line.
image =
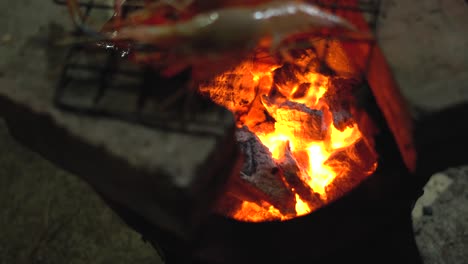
[91,74]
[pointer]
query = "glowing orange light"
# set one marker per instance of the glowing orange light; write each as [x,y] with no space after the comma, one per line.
[301,207]
[311,155]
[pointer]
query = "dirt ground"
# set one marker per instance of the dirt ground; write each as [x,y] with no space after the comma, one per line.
[50,216]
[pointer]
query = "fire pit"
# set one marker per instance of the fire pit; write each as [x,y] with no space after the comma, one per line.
[324,152]
[302,148]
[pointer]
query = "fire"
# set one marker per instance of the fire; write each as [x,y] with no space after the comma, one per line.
[301,207]
[302,127]
[273,142]
[253,212]
[318,174]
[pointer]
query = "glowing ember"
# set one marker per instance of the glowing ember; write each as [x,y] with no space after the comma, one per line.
[288,110]
[253,212]
[301,207]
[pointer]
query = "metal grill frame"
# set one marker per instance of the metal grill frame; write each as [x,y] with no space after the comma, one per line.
[369,8]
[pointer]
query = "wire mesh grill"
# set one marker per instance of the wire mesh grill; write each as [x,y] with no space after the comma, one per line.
[100,83]
[90,74]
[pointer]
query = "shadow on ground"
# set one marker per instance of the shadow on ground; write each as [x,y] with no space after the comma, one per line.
[50,216]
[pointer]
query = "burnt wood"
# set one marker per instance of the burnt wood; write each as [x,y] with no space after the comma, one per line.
[261,172]
[292,175]
[340,98]
[297,115]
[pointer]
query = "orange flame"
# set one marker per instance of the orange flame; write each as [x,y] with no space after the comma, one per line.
[318,174]
[252,212]
[301,207]
[314,170]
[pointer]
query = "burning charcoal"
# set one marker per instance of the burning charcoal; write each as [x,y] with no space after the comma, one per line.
[260,171]
[342,119]
[285,78]
[238,191]
[296,119]
[340,98]
[301,90]
[256,115]
[305,58]
[353,164]
[341,92]
[333,57]
[265,127]
[255,153]
[292,172]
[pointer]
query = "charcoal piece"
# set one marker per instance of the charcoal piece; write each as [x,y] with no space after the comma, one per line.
[353,165]
[256,155]
[276,94]
[296,119]
[292,172]
[255,116]
[360,155]
[342,119]
[265,127]
[341,91]
[286,77]
[244,190]
[301,90]
[304,59]
[340,99]
[241,209]
[261,172]
[239,191]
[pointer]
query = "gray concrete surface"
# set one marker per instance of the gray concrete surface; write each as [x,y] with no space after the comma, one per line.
[46,214]
[440,218]
[426,43]
[49,216]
